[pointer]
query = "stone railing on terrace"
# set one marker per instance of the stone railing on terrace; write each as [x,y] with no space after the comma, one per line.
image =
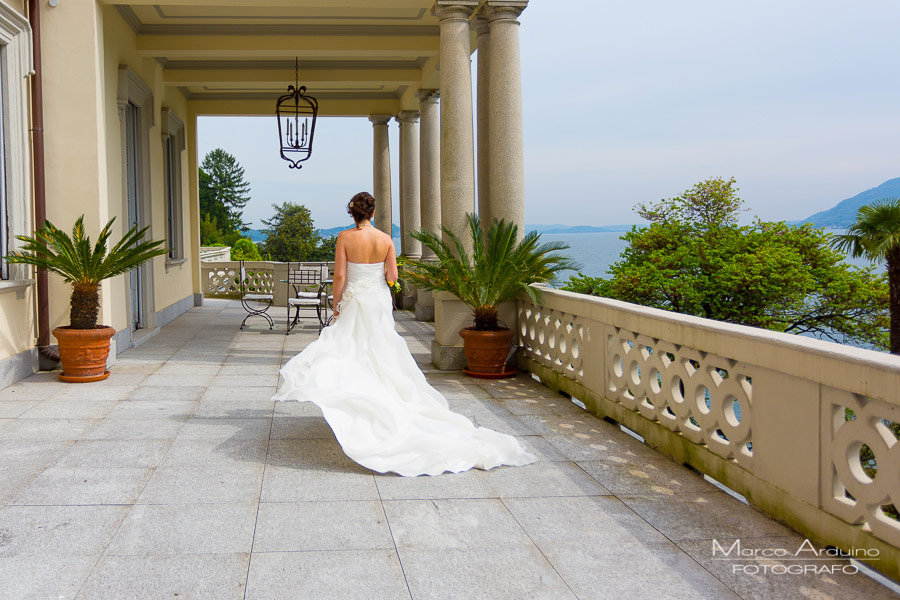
[222,279]
[804,429]
[215,253]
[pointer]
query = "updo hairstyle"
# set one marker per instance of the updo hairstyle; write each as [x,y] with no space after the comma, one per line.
[361,206]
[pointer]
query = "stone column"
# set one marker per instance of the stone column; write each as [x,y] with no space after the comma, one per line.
[457,167]
[507,162]
[457,139]
[381,172]
[410,214]
[430,182]
[430,164]
[482,27]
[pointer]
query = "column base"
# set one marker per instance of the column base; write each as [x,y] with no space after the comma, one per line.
[410,293]
[425,312]
[447,358]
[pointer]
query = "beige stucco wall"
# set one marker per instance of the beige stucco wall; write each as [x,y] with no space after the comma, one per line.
[83,45]
[118,50]
[17,305]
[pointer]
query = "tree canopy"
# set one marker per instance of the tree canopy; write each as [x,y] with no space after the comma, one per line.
[695,258]
[223,190]
[292,235]
[876,235]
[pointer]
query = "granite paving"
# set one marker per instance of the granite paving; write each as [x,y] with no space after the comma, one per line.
[179,477]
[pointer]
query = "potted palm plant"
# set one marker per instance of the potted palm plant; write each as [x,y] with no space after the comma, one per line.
[498,269]
[84,345]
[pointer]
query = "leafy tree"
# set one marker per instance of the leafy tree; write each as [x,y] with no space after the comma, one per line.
[876,235]
[245,249]
[223,190]
[210,234]
[292,236]
[695,259]
[325,251]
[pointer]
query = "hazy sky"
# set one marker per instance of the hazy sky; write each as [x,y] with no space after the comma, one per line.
[628,102]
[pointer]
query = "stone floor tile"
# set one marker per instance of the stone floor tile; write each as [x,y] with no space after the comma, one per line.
[49,576]
[291,408]
[657,571]
[13,479]
[158,379]
[520,386]
[704,516]
[84,485]
[324,454]
[655,475]
[68,408]
[298,484]
[242,393]
[169,392]
[213,452]
[114,453]
[175,367]
[10,409]
[335,575]
[31,454]
[748,578]
[178,410]
[499,573]
[234,409]
[602,523]
[185,529]
[308,428]
[233,370]
[38,531]
[100,390]
[230,484]
[244,381]
[47,430]
[330,525]
[200,427]
[541,448]
[200,576]
[24,390]
[468,484]
[538,405]
[541,479]
[117,428]
[452,524]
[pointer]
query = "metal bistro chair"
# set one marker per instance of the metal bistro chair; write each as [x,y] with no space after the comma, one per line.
[254,301]
[308,289]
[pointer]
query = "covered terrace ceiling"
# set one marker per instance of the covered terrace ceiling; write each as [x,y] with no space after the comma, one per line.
[357,57]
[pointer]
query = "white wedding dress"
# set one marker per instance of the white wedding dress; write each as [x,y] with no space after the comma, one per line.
[375,398]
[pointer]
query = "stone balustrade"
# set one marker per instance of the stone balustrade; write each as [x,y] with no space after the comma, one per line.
[215,253]
[222,279]
[781,419]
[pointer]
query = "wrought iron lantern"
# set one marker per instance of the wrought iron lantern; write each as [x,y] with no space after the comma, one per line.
[296,113]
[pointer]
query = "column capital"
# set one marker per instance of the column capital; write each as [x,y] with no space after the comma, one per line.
[428,96]
[503,10]
[380,119]
[480,24]
[454,10]
[408,116]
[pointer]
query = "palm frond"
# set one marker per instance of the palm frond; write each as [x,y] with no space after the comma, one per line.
[76,260]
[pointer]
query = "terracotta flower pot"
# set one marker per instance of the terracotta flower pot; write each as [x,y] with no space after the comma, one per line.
[486,352]
[83,353]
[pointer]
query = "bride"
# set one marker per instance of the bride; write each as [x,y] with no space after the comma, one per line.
[360,373]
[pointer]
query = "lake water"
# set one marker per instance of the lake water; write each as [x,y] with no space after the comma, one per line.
[597,251]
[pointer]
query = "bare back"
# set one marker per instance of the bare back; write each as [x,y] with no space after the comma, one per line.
[366,245]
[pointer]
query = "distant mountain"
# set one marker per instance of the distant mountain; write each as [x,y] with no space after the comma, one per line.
[257,235]
[395,231]
[577,228]
[844,214]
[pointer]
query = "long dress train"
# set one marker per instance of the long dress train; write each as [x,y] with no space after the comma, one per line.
[383,412]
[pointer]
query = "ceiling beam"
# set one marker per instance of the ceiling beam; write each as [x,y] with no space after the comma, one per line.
[264,107]
[281,77]
[330,4]
[282,46]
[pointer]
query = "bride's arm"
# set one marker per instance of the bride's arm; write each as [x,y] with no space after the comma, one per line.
[340,272]
[390,264]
